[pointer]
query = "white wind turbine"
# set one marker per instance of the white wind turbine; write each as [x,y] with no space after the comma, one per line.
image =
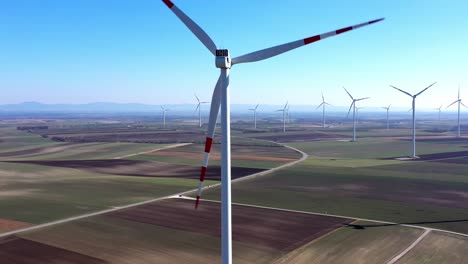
[413,107]
[353,106]
[388,109]
[199,109]
[439,110]
[164,115]
[357,114]
[164,110]
[255,115]
[459,101]
[284,110]
[323,109]
[221,98]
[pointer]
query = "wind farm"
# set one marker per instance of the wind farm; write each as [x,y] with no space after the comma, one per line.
[108,155]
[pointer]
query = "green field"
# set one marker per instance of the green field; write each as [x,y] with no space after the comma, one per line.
[37,194]
[349,245]
[438,248]
[347,182]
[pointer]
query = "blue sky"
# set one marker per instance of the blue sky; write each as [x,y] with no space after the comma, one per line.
[56,51]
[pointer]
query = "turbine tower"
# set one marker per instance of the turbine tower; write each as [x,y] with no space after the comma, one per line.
[164,110]
[388,109]
[199,110]
[459,101]
[284,110]
[323,109]
[439,110]
[357,114]
[413,107]
[255,115]
[353,106]
[221,98]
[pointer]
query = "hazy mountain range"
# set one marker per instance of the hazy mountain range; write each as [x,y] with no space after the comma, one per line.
[109,107]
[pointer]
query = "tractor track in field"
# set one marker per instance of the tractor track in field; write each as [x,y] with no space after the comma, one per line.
[181,194]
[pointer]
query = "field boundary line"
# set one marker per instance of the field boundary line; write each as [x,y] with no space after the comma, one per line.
[339,216]
[177,195]
[404,252]
[153,150]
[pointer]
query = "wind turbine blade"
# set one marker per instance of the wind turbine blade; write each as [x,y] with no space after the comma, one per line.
[463,104]
[323,99]
[424,89]
[451,104]
[389,105]
[349,94]
[360,99]
[197,98]
[350,107]
[198,106]
[204,102]
[328,104]
[162,107]
[192,26]
[401,90]
[319,106]
[459,92]
[256,106]
[276,50]
[214,110]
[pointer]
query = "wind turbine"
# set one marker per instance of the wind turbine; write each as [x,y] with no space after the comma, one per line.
[357,114]
[459,101]
[323,109]
[199,109]
[388,109]
[221,98]
[413,107]
[438,109]
[284,110]
[353,106]
[255,115]
[287,115]
[164,110]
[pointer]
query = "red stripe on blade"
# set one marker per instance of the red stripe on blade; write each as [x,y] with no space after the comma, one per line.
[197,202]
[208,144]
[202,173]
[311,39]
[343,30]
[168,3]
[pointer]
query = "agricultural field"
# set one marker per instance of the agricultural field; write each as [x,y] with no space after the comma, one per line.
[342,178]
[165,231]
[348,184]
[46,181]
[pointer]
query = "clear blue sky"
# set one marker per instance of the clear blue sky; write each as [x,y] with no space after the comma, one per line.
[56,51]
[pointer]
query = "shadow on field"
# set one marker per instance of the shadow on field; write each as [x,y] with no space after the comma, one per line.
[355,226]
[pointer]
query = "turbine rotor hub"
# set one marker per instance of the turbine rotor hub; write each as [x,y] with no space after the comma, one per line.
[223,60]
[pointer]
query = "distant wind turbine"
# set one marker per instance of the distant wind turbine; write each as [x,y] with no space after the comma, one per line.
[388,109]
[414,113]
[323,109]
[440,107]
[353,106]
[255,115]
[459,101]
[357,114]
[284,110]
[164,115]
[199,110]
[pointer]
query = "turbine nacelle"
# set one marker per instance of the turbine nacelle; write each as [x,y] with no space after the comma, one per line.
[223,60]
